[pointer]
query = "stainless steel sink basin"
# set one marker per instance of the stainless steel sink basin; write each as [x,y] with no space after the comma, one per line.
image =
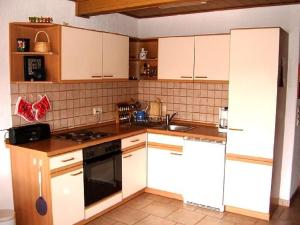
[175,127]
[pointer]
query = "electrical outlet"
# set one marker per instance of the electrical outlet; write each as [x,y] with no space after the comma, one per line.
[97,110]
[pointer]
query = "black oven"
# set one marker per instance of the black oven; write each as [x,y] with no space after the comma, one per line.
[102,166]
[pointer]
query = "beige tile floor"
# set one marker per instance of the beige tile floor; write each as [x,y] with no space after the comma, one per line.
[148,209]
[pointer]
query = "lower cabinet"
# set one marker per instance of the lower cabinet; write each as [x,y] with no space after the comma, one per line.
[134,167]
[67,197]
[248,186]
[165,170]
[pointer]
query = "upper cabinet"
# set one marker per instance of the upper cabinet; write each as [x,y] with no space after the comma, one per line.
[257,79]
[212,57]
[176,58]
[72,54]
[115,56]
[81,54]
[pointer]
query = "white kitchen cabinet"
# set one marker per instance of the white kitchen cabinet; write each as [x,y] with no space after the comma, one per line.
[254,63]
[165,170]
[203,166]
[176,58]
[248,186]
[134,171]
[81,54]
[67,197]
[212,57]
[257,93]
[115,56]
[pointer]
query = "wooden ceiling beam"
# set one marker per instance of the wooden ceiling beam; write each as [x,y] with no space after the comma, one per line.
[96,7]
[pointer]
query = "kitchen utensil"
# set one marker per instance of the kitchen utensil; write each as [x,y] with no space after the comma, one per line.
[41,46]
[155,109]
[139,115]
[41,204]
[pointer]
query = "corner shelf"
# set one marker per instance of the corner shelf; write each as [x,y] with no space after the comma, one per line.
[136,65]
[52,59]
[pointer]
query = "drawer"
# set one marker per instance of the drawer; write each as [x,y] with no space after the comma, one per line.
[165,139]
[134,140]
[65,159]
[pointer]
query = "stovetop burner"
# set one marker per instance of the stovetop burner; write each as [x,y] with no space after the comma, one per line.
[83,135]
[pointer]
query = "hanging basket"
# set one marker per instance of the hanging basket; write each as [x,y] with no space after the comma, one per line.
[41,46]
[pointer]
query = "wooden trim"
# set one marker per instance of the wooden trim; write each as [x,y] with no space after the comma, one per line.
[249,159]
[111,208]
[246,212]
[133,148]
[66,169]
[167,147]
[164,193]
[96,7]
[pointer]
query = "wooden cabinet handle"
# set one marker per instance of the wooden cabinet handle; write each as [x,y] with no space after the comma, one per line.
[67,160]
[97,76]
[135,140]
[127,156]
[76,174]
[235,129]
[202,77]
[108,76]
[173,153]
[186,77]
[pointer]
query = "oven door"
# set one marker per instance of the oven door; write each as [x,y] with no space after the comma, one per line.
[102,177]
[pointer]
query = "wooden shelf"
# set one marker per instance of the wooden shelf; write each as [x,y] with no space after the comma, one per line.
[136,65]
[143,60]
[33,53]
[52,60]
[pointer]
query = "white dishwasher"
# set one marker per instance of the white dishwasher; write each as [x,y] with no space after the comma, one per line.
[204,163]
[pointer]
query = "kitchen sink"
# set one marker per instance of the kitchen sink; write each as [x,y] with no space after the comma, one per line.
[174,127]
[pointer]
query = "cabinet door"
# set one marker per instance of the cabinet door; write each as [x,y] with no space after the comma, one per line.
[212,57]
[115,56]
[247,186]
[81,54]
[176,58]
[134,172]
[165,170]
[67,198]
[254,60]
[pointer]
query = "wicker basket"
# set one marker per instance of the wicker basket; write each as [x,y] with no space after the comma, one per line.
[41,46]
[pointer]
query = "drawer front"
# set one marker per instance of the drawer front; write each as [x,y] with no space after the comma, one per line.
[134,140]
[65,159]
[165,139]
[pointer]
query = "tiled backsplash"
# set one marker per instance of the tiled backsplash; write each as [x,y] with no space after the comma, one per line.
[72,104]
[193,101]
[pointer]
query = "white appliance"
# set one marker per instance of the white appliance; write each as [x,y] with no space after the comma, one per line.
[223,119]
[204,163]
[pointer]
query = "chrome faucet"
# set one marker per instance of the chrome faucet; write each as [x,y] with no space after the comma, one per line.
[169,118]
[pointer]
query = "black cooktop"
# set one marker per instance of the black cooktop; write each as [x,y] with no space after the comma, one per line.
[82,135]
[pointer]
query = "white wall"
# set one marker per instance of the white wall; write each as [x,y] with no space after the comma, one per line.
[60,10]
[287,17]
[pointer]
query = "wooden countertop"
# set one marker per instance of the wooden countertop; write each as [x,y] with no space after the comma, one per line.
[55,146]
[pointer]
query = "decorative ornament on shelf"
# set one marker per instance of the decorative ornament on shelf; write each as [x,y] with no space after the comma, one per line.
[41,19]
[32,111]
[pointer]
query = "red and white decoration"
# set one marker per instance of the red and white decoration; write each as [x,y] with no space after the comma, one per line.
[31,112]
[41,107]
[24,109]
